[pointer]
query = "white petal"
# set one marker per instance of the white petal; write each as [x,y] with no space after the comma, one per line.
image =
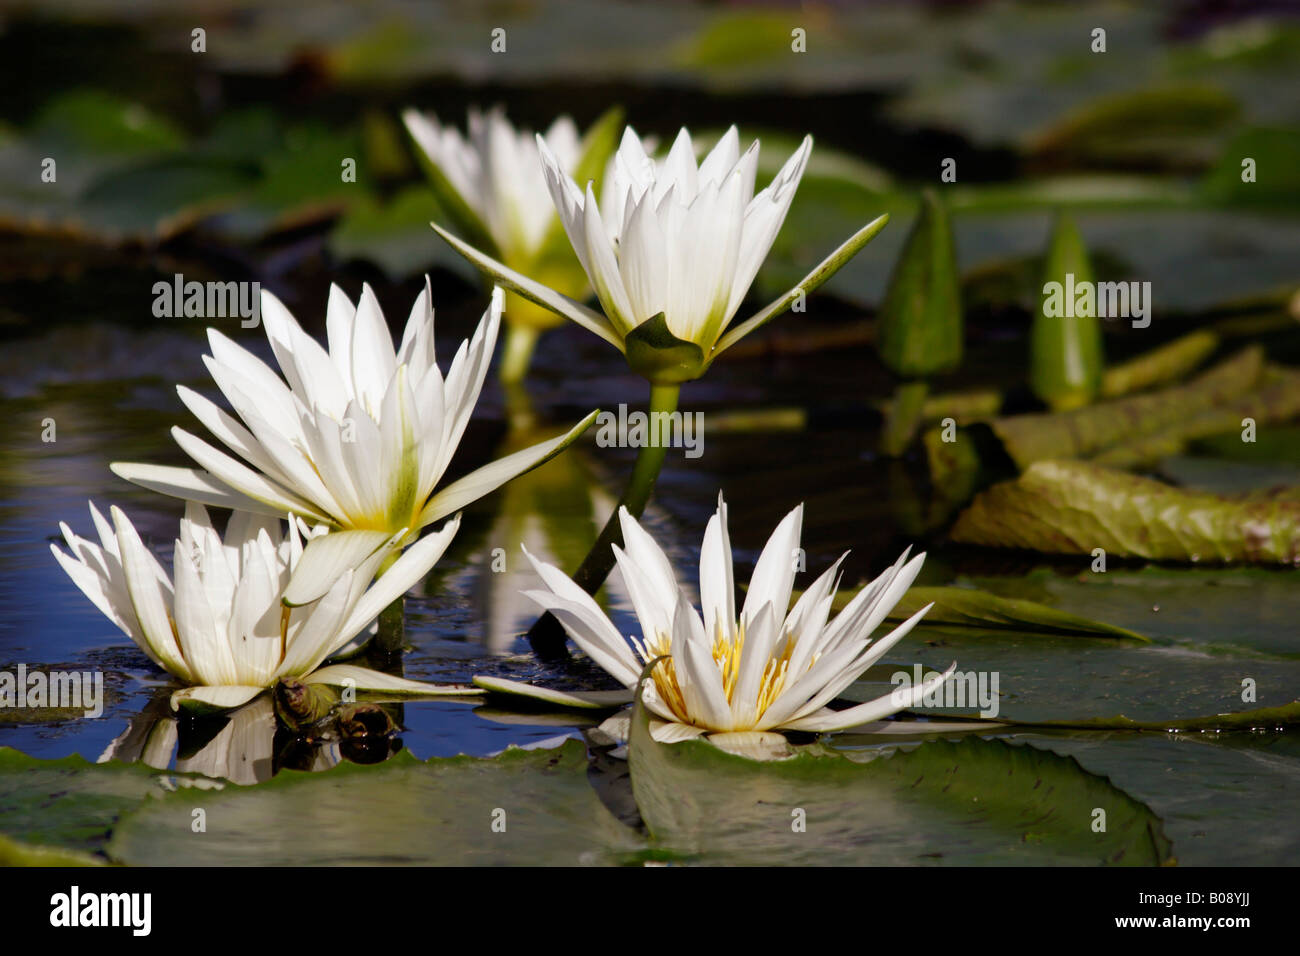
[649,557]
[244,480]
[806,286]
[896,700]
[206,649]
[722,158]
[643,260]
[672,731]
[605,277]
[763,220]
[760,638]
[697,674]
[150,600]
[592,631]
[96,588]
[230,433]
[373,357]
[200,700]
[311,373]
[318,629]
[717,577]
[653,605]
[192,485]
[340,316]
[773,579]
[325,559]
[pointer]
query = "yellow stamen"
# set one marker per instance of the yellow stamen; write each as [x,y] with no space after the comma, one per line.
[727,653]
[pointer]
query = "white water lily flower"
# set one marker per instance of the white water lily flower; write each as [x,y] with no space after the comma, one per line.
[496,174]
[727,673]
[490,186]
[242,613]
[671,249]
[359,435]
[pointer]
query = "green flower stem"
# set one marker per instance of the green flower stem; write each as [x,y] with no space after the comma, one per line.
[903,418]
[520,342]
[547,636]
[392,619]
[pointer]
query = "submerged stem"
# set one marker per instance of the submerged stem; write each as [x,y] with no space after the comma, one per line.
[547,636]
[392,619]
[520,342]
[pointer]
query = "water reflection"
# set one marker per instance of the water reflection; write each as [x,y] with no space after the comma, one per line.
[250,745]
[555,511]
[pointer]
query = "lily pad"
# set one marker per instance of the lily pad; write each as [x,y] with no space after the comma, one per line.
[1261,718]
[395,236]
[969,607]
[977,801]
[402,812]
[1066,507]
[68,804]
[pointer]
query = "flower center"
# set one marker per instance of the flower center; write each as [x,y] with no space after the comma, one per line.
[727,653]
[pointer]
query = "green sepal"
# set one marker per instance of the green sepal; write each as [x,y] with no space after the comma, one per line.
[654,352]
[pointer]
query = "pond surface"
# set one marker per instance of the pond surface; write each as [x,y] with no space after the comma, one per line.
[109,389]
[226,166]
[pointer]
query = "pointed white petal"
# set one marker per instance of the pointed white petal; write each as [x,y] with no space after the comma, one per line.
[206,648]
[201,700]
[325,559]
[672,731]
[896,700]
[773,579]
[717,577]
[150,600]
[191,485]
[373,358]
[244,480]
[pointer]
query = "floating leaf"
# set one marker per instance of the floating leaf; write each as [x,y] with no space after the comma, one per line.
[1168,363]
[14,853]
[1277,399]
[1138,124]
[70,803]
[969,607]
[977,801]
[1086,431]
[1068,507]
[1275,161]
[395,236]
[437,812]
[1261,718]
